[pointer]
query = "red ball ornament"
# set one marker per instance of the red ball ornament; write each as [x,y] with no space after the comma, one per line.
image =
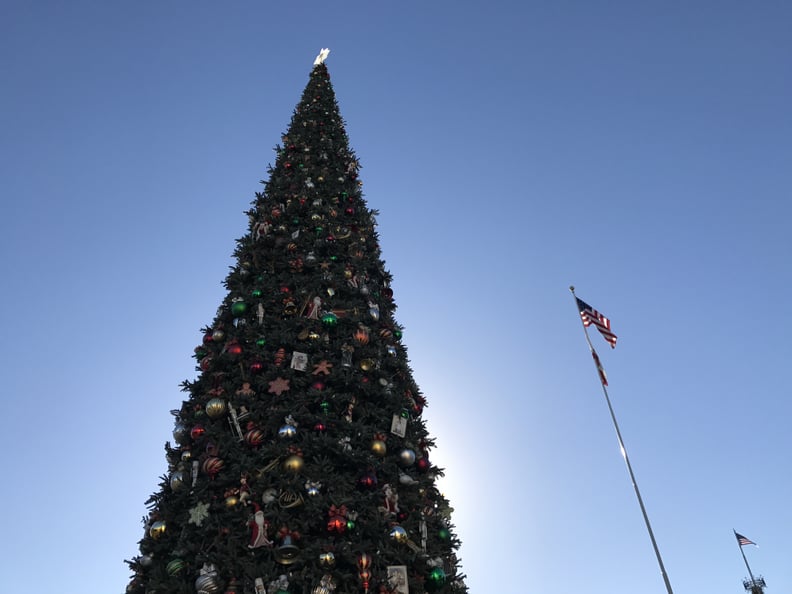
[197,432]
[254,437]
[207,339]
[234,348]
[361,336]
[320,427]
[256,367]
[280,356]
[212,465]
[318,385]
[368,480]
[423,464]
[349,210]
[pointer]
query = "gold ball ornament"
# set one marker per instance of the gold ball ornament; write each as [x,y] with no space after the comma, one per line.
[378,448]
[231,501]
[216,408]
[293,463]
[157,529]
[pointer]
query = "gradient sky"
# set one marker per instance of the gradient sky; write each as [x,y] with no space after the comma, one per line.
[638,150]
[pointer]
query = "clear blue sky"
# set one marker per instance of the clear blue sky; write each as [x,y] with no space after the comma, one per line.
[640,151]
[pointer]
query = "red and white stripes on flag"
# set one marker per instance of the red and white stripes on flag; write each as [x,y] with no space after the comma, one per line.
[590,316]
[742,540]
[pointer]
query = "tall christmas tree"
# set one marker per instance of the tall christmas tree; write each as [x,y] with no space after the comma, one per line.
[301,459]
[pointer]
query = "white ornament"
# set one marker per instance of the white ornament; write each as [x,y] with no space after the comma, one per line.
[259,586]
[199,513]
[282,583]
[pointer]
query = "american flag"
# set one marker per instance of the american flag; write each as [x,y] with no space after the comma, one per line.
[592,316]
[742,540]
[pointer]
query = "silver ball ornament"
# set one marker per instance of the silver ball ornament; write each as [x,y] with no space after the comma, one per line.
[177,480]
[207,584]
[406,457]
[287,431]
[398,534]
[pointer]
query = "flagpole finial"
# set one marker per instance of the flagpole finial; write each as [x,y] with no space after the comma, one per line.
[572,288]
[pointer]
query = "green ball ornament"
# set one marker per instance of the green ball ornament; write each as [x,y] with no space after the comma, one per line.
[435,579]
[256,293]
[351,524]
[443,534]
[238,308]
[261,342]
[175,567]
[330,319]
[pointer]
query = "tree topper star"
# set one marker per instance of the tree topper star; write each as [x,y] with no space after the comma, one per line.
[278,386]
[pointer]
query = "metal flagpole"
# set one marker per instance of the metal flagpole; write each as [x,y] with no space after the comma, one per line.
[739,544]
[626,458]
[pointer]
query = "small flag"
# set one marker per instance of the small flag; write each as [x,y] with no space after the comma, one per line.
[600,368]
[592,316]
[743,541]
